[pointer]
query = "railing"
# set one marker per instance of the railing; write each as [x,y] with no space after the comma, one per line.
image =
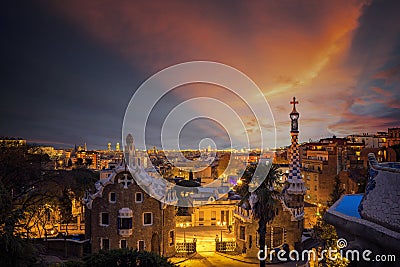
[63,227]
[185,247]
[72,228]
[225,246]
[242,213]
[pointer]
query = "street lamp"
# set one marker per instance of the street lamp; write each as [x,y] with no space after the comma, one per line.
[221,224]
[183,225]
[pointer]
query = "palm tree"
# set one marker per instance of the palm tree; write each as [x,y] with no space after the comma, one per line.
[262,200]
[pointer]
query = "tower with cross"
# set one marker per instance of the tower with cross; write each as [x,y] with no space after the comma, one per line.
[295,190]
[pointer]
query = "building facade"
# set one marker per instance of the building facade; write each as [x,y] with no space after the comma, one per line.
[120,214]
[123,216]
[393,136]
[322,161]
[219,212]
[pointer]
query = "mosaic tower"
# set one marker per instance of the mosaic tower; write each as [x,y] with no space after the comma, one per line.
[295,190]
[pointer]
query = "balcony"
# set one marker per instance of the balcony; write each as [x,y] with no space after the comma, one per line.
[125,232]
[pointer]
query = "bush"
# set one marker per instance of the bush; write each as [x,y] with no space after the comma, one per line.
[17,252]
[125,258]
[73,264]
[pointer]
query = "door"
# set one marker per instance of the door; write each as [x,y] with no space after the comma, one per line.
[141,245]
[155,243]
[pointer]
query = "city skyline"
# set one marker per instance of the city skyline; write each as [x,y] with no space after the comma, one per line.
[69,69]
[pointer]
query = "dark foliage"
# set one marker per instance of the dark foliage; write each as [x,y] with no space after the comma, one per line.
[126,258]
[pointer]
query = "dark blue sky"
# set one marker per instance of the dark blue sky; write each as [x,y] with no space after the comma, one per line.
[58,85]
[69,69]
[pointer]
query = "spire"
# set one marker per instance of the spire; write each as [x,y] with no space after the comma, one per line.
[294,102]
[295,189]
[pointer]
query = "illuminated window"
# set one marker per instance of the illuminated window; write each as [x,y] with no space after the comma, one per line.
[213,215]
[201,215]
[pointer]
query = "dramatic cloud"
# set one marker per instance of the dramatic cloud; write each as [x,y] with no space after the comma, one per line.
[339,58]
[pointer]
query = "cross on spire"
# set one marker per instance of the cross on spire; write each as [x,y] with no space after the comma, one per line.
[294,102]
[126,181]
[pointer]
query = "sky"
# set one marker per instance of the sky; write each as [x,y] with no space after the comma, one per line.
[70,68]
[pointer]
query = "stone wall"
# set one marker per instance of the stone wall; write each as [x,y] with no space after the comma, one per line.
[381,200]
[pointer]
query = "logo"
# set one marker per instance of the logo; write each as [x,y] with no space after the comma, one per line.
[239,109]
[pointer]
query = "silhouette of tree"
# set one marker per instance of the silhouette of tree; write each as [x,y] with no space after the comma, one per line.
[262,200]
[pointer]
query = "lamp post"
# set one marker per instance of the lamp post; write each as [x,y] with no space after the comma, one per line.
[222,224]
[183,225]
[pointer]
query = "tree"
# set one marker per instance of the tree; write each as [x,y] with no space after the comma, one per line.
[337,191]
[327,236]
[262,200]
[79,163]
[20,178]
[125,258]
[88,162]
[29,195]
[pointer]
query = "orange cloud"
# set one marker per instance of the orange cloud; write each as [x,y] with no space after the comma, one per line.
[288,48]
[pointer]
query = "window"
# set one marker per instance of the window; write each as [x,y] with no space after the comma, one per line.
[250,241]
[201,216]
[171,239]
[125,219]
[138,197]
[104,219]
[123,243]
[112,197]
[124,223]
[315,188]
[242,232]
[105,244]
[147,218]
[213,215]
[141,245]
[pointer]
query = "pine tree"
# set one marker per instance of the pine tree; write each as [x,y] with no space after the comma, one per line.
[337,191]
